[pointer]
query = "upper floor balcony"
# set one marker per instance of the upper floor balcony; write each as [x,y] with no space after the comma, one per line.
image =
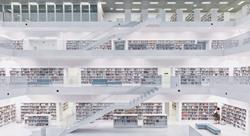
[33,13]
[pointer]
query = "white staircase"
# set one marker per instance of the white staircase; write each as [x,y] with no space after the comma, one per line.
[116,32]
[149,93]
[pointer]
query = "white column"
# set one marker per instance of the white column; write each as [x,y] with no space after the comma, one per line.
[162,15]
[12,10]
[29,10]
[179,15]
[87,4]
[127,15]
[197,15]
[214,15]
[144,15]
[99,12]
[244,10]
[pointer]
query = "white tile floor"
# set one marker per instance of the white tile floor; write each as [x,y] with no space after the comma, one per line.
[104,128]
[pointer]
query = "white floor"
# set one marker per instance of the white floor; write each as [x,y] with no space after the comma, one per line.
[105,128]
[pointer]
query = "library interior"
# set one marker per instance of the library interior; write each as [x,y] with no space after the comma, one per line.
[124,67]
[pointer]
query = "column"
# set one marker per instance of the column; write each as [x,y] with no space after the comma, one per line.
[127,15]
[99,12]
[179,17]
[144,15]
[162,15]
[197,15]
[214,15]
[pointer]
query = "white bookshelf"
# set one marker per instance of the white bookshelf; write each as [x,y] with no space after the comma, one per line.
[114,76]
[37,120]
[199,76]
[242,75]
[206,17]
[39,109]
[234,116]
[155,121]
[198,111]
[173,18]
[39,75]
[125,121]
[83,44]
[223,44]
[7,114]
[65,106]
[12,44]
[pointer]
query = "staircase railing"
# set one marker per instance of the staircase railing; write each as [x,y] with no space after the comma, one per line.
[152,91]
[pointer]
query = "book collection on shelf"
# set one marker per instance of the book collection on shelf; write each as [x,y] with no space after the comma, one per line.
[198,111]
[65,106]
[234,116]
[167,45]
[221,17]
[190,17]
[37,120]
[199,76]
[157,121]
[39,75]
[13,44]
[242,75]
[206,17]
[119,44]
[120,76]
[125,121]
[173,18]
[84,44]
[222,44]
[39,109]
[84,110]
[7,114]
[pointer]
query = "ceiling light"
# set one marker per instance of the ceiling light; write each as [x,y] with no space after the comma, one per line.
[206,2]
[111,8]
[230,9]
[195,5]
[119,3]
[188,2]
[153,2]
[241,2]
[135,9]
[183,9]
[199,9]
[136,3]
[103,3]
[171,2]
[119,9]
[167,9]
[151,9]
[223,2]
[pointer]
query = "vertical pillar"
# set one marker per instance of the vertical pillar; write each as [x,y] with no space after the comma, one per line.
[144,15]
[197,15]
[244,10]
[99,12]
[162,15]
[214,15]
[127,15]
[89,13]
[179,15]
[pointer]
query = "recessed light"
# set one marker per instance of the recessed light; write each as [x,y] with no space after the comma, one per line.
[241,2]
[183,9]
[103,3]
[167,9]
[119,3]
[188,2]
[151,9]
[171,2]
[119,9]
[206,2]
[199,8]
[223,2]
[230,9]
[153,2]
[111,8]
[195,5]
[135,9]
[136,3]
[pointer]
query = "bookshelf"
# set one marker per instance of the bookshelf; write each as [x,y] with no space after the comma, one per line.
[199,76]
[36,120]
[7,114]
[198,111]
[125,121]
[173,18]
[13,44]
[83,44]
[114,76]
[39,75]
[84,110]
[221,17]
[38,109]
[190,17]
[119,44]
[155,121]
[242,75]
[167,44]
[223,44]
[206,17]
[65,106]
[234,116]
